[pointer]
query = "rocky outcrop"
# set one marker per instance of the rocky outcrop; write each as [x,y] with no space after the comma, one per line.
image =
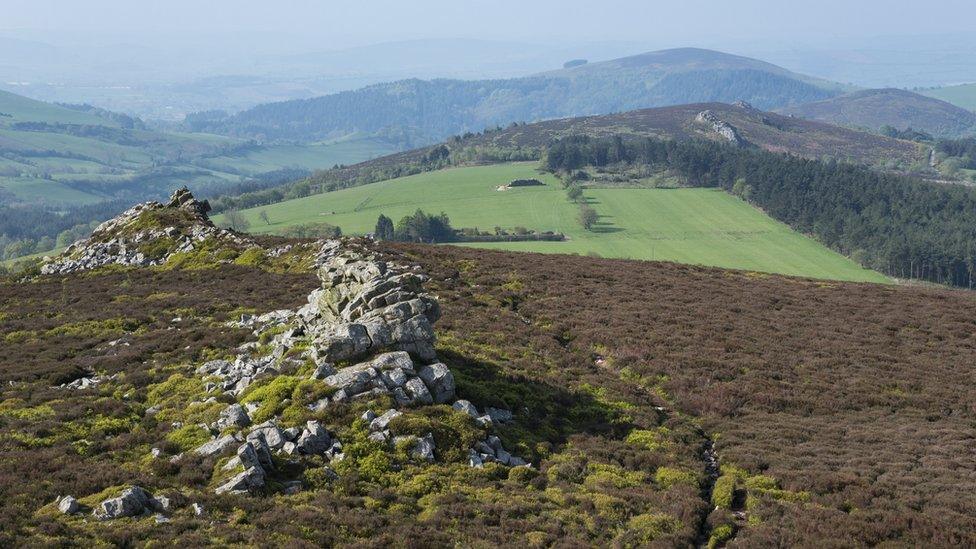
[719,126]
[366,306]
[133,237]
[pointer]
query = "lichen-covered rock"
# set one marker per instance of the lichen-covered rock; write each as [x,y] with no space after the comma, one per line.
[382,421]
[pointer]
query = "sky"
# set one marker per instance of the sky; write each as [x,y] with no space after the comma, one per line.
[334,24]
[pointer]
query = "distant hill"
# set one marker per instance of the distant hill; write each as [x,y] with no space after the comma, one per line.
[419,112]
[752,127]
[65,155]
[874,109]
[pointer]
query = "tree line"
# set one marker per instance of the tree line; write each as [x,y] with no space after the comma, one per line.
[898,225]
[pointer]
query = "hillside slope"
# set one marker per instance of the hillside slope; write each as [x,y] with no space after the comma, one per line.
[213,400]
[421,112]
[874,109]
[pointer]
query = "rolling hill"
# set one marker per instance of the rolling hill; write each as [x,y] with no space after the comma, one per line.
[696,226]
[754,128]
[60,155]
[874,109]
[418,112]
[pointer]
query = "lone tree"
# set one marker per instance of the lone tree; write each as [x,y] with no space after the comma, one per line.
[235,220]
[587,217]
[574,193]
[263,214]
[384,228]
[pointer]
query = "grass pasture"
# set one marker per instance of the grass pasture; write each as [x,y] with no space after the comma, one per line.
[962,95]
[695,226]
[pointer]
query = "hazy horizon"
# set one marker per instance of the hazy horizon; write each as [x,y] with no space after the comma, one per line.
[158,59]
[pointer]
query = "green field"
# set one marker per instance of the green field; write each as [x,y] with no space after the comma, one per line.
[697,226]
[963,95]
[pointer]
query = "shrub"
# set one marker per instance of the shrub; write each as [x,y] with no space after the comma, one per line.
[650,439]
[645,528]
[723,493]
[667,477]
[720,535]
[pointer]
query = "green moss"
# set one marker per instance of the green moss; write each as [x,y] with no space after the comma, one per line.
[252,257]
[189,437]
[666,477]
[761,483]
[271,396]
[96,328]
[113,425]
[176,392]
[158,248]
[454,432]
[19,336]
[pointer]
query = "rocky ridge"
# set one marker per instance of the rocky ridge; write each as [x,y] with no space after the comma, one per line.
[365,335]
[136,237]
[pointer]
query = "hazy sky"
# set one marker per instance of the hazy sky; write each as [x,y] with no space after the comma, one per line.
[332,24]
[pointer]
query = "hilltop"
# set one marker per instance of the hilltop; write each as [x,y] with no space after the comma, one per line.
[419,112]
[874,109]
[253,391]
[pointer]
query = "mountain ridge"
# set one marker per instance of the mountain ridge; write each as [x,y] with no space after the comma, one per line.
[424,111]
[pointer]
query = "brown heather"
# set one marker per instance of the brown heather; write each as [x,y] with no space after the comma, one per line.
[858,395]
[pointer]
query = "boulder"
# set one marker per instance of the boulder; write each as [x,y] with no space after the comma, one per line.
[424,448]
[380,423]
[68,505]
[498,415]
[216,446]
[314,439]
[418,391]
[440,381]
[250,479]
[274,437]
[132,502]
[466,407]
[233,416]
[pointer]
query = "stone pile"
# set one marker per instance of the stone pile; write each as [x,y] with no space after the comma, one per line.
[491,450]
[255,454]
[119,241]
